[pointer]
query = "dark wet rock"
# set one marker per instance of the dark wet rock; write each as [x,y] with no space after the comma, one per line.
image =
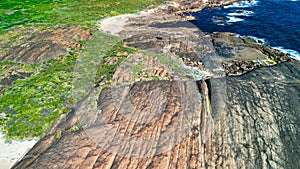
[220,23]
[181,24]
[234,45]
[275,54]
[218,17]
[243,54]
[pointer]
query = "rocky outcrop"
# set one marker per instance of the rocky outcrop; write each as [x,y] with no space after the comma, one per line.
[138,131]
[163,124]
[240,55]
[33,45]
[220,53]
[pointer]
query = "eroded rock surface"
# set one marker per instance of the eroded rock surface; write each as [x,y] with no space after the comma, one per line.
[261,128]
[35,46]
[165,33]
[258,128]
[139,131]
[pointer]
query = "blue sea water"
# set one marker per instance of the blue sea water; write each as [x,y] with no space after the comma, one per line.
[274,22]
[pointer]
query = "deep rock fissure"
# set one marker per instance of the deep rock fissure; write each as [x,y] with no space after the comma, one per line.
[207,81]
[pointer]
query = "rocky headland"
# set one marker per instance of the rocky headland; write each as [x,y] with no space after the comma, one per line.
[183,99]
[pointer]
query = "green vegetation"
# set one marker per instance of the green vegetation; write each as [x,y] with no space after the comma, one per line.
[91,66]
[32,105]
[65,12]
[137,69]
[118,47]
[76,127]
[7,65]
[57,135]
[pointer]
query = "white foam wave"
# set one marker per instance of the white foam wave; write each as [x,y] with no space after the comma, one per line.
[260,41]
[234,19]
[293,54]
[243,4]
[241,13]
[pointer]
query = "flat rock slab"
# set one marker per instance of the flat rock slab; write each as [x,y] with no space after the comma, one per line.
[153,126]
[258,127]
[261,120]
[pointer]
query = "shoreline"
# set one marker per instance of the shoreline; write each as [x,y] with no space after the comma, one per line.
[274,55]
[243,7]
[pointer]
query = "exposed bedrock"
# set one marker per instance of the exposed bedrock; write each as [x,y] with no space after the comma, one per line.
[33,45]
[239,55]
[262,118]
[219,53]
[255,124]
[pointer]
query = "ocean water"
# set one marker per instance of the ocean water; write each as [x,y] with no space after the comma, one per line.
[273,22]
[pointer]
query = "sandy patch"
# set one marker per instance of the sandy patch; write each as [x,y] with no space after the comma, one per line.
[114,25]
[11,152]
